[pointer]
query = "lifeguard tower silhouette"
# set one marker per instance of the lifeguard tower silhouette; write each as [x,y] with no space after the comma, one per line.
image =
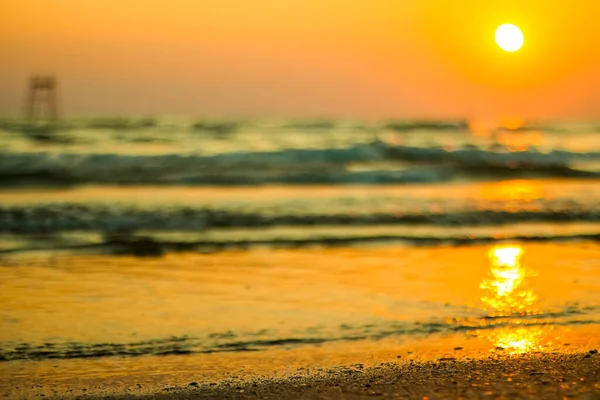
[42,99]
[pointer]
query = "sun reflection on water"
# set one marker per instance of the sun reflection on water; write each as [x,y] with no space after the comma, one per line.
[521,339]
[509,298]
[505,289]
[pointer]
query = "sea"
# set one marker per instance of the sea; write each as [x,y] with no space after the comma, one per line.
[221,248]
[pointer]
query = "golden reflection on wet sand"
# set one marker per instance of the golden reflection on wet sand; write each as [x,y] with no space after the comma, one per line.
[507,294]
[521,339]
[505,290]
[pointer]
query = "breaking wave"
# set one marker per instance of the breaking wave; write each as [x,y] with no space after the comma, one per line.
[265,339]
[80,217]
[296,166]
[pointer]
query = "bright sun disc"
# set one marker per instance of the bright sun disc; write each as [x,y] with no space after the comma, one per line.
[509,37]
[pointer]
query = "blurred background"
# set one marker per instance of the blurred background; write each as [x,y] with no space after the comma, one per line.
[215,189]
[376,59]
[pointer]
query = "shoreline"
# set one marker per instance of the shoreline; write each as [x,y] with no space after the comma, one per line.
[332,324]
[573,373]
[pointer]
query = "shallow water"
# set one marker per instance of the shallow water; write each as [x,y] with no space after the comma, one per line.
[108,322]
[258,299]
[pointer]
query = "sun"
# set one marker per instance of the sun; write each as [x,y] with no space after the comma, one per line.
[509,37]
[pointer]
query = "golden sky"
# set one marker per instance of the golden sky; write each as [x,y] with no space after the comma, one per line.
[362,58]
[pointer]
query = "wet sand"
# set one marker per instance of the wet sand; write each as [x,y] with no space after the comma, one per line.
[533,376]
[433,367]
[540,376]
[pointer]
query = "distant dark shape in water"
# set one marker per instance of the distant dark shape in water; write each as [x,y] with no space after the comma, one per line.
[217,127]
[121,123]
[42,99]
[409,126]
[41,109]
[311,124]
[126,242]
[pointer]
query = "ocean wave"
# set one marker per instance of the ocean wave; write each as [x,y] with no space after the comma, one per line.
[45,218]
[293,166]
[409,126]
[159,243]
[224,126]
[265,339]
[147,246]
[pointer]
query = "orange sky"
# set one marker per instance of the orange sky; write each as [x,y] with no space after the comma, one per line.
[375,58]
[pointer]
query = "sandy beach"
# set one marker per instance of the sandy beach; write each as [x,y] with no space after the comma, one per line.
[532,376]
[538,376]
[432,367]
